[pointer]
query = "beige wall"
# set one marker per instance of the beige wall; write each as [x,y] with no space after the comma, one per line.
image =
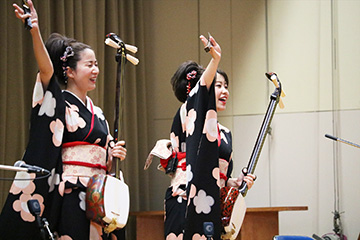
[293,38]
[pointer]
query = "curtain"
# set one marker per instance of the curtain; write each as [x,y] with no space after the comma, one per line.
[87,21]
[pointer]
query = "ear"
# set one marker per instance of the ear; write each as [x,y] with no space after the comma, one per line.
[69,72]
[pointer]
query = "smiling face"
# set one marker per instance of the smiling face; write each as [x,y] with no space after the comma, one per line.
[221,92]
[83,78]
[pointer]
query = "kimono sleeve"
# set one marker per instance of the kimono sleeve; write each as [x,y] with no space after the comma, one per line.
[43,150]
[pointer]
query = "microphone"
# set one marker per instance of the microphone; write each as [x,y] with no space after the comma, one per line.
[337,139]
[331,137]
[35,210]
[208,228]
[31,169]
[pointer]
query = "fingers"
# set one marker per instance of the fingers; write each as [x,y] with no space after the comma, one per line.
[31,6]
[250,179]
[253,176]
[212,40]
[204,40]
[121,143]
[249,182]
[19,12]
[18,9]
[119,150]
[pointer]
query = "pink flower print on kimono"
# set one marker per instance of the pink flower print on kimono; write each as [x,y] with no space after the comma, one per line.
[99,113]
[21,206]
[194,90]
[172,236]
[190,122]
[183,117]
[189,173]
[48,105]
[53,180]
[174,142]
[72,179]
[38,92]
[25,186]
[82,204]
[210,126]
[66,237]
[216,175]
[199,237]
[57,128]
[72,118]
[203,202]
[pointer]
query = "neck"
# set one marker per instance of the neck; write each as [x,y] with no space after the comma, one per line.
[80,95]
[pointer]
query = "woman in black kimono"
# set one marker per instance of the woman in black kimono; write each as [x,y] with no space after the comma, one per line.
[68,136]
[203,149]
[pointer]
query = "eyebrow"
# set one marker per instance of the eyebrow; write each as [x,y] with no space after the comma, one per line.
[90,61]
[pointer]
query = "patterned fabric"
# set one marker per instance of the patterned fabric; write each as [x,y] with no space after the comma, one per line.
[195,199]
[82,155]
[57,117]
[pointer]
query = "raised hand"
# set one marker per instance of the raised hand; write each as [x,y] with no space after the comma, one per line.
[19,12]
[215,49]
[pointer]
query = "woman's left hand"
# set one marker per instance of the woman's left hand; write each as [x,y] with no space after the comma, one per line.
[118,150]
[236,182]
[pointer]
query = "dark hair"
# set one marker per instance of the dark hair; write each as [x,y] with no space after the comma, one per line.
[221,72]
[56,46]
[180,82]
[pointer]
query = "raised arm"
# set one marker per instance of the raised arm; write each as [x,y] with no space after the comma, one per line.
[210,71]
[43,60]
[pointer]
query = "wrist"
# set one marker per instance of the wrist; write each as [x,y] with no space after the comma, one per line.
[35,32]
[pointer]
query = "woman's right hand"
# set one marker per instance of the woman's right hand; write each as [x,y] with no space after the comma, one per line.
[215,49]
[43,60]
[19,12]
[208,76]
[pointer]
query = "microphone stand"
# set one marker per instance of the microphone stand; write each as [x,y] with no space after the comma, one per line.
[337,221]
[46,226]
[42,223]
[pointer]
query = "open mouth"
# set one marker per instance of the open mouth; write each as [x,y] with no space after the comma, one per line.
[223,100]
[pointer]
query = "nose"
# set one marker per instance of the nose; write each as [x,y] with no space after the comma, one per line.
[95,70]
[224,90]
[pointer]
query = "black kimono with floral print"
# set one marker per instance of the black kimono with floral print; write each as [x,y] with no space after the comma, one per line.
[195,130]
[57,117]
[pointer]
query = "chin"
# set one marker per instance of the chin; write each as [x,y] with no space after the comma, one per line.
[220,109]
[92,87]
